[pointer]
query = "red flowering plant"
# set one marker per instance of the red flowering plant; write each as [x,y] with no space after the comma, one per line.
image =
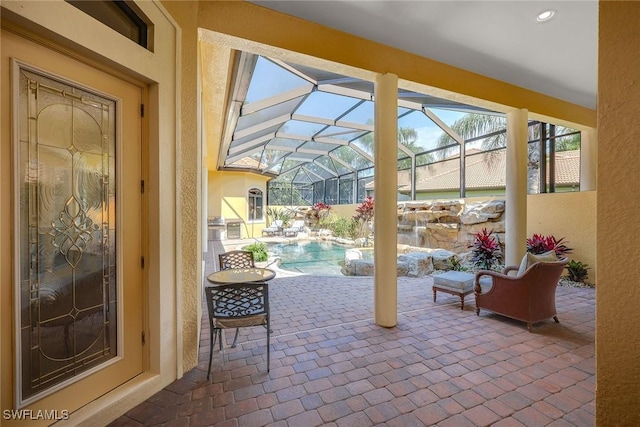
[364,211]
[364,214]
[318,212]
[486,252]
[539,244]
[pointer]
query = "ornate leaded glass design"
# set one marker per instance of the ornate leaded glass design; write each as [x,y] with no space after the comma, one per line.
[66,220]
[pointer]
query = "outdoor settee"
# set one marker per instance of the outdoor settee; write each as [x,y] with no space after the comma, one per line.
[274,228]
[529,296]
[296,227]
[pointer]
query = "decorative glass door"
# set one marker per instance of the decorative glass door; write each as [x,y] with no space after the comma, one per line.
[67,231]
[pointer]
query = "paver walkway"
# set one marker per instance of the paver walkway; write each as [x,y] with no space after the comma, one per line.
[331,365]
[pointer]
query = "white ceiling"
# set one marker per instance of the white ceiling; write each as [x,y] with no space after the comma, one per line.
[499,39]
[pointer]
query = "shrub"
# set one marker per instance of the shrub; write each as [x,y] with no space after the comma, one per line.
[259,250]
[539,244]
[281,214]
[344,227]
[456,264]
[486,250]
[577,271]
[364,213]
[318,213]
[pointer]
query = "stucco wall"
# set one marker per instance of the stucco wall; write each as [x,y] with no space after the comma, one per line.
[568,215]
[189,173]
[227,197]
[618,222]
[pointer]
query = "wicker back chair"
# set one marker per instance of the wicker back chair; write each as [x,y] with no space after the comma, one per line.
[529,297]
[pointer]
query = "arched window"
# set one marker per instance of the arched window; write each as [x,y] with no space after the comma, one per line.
[255,205]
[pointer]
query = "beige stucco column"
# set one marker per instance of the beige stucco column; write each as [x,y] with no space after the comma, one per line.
[588,159]
[516,180]
[385,213]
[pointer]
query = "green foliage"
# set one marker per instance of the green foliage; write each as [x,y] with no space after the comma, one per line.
[259,250]
[281,214]
[344,227]
[456,265]
[577,271]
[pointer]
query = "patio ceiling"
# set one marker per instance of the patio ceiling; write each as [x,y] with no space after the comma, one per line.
[300,124]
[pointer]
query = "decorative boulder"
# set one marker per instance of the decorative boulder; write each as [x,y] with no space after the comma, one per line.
[475,213]
[419,264]
[442,259]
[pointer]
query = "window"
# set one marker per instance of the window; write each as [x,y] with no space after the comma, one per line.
[118,15]
[255,205]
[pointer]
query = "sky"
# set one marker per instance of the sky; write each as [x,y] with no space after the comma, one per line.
[270,79]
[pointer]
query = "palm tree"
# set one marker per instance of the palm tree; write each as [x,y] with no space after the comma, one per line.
[472,126]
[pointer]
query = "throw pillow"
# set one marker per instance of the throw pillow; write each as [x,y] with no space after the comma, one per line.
[529,259]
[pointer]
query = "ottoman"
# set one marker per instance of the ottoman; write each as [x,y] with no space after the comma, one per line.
[455,283]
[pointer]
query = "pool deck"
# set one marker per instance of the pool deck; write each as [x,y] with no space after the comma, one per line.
[440,366]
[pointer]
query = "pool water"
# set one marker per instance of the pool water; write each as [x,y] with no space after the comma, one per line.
[322,258]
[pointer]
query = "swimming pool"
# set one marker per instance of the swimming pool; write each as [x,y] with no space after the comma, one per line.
[310,257]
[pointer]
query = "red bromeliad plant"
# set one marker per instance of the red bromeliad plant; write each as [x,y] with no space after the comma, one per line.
[486,250]
[539,244]
[364,213]
[318,212]
[364,210]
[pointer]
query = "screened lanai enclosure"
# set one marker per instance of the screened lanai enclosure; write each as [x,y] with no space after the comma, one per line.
[312,131]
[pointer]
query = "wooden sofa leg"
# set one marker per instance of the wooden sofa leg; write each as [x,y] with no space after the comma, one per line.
[556,319]
[477,311]
[529,326]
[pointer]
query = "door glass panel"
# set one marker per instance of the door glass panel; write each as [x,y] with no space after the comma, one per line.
[67,225]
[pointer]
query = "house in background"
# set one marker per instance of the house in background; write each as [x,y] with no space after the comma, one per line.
[161,102]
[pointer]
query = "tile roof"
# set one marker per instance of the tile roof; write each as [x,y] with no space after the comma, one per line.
[484,171]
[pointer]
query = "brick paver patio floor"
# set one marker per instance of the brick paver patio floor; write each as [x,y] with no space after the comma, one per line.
[440,366]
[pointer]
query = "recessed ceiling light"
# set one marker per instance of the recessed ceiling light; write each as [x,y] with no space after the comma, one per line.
[546,15]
